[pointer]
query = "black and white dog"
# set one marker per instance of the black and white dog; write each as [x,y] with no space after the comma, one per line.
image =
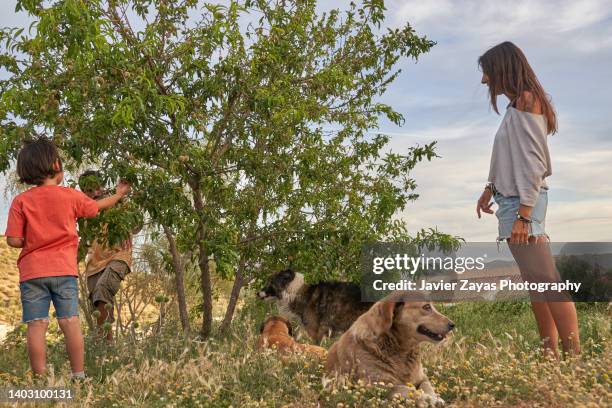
[324,309]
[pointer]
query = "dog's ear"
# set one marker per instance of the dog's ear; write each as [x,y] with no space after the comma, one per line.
[287,323]
[261,328]
[384,314]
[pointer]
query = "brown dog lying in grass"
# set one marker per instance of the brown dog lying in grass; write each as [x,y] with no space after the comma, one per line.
[383,346]
[276,333]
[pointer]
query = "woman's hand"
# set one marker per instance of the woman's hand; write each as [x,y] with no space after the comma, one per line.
[484,202]
[520,229]
[520,232]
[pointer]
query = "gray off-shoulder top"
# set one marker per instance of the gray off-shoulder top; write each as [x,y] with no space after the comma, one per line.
[520,160]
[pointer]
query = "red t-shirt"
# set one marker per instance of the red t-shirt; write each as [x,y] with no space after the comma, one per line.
[45,216]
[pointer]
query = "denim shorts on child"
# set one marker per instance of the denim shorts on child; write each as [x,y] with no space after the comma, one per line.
[37,294]
[508,208]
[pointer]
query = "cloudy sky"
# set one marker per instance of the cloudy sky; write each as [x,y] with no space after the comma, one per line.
[569,45]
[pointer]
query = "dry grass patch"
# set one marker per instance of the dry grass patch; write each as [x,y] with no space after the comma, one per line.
[10,307]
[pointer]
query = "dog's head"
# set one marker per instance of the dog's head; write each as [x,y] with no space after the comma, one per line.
[277,285]
[416,320]
[276,325]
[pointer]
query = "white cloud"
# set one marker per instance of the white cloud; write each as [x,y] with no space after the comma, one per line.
[573,15]
[580,196]
[451,132]
[495,19]
[423,11]
[584,221]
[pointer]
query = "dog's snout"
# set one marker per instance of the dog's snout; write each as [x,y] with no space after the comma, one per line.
[451,325]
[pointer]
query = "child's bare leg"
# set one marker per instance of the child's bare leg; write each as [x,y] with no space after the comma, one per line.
[103,318]
[71,326]
[546,327]
[37,344]
[566,320]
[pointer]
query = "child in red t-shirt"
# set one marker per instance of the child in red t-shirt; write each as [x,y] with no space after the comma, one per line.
[42,221]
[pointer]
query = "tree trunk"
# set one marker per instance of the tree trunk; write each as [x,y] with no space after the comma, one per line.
[205,281]
[84,300]
[231,307]
[206,287]
[179,277]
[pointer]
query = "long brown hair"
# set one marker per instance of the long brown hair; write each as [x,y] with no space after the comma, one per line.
[509,72]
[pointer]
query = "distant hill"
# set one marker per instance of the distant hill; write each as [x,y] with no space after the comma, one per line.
[10,309]
[581,248]
[603,260]
[593,252]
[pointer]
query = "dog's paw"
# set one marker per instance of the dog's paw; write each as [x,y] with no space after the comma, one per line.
[438,402]
[428,400]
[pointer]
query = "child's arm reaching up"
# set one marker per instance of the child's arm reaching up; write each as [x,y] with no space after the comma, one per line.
[123,188]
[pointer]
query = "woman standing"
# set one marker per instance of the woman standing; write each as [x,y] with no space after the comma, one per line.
[520,162]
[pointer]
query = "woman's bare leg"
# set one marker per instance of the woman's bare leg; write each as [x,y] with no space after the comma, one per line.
[537,264]
[546,327]
[566,320]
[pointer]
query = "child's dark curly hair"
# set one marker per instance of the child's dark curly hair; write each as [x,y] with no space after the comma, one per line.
[36,161]
[90,180]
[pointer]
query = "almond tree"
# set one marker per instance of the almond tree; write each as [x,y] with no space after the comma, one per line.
[247,128]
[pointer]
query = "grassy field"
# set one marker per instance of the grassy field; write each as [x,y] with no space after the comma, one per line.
[491,360]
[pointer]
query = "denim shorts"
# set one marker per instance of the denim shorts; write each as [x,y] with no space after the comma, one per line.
[37,294]
[509,206]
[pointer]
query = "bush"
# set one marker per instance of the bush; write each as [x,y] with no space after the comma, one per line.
[596,279]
